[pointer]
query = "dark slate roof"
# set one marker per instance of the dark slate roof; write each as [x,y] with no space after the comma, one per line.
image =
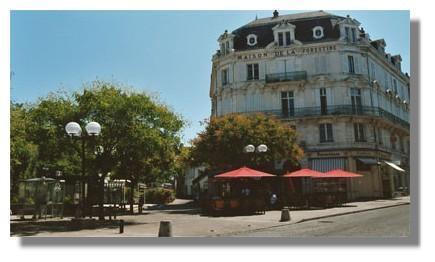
[304,22]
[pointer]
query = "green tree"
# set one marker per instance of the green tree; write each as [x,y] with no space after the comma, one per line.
[220,146]
[140,136]
[23,152]
[139,141]
[56,151]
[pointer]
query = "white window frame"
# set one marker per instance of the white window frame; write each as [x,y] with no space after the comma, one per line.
[249,37]
[328,139]
[252,76]
[322,34]
[227,78]
[359,132]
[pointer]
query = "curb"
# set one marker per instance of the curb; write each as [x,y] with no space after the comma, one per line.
[312,218]
[350,212]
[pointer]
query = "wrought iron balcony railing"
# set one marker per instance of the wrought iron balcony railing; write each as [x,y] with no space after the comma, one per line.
[288,76]
[293,113]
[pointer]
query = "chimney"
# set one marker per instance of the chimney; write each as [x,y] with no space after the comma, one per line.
[275,14]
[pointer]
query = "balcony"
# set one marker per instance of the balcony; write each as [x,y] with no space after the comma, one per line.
[288,76]
[340,110]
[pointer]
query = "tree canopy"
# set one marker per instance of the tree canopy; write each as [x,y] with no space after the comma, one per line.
[139,140]
[220,146]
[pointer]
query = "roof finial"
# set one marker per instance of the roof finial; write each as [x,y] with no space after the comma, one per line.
[256,17]
[275,14]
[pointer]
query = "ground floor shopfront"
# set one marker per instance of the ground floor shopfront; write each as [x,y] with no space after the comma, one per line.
[384,174]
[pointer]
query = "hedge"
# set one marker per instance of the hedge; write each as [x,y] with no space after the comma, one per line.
[159,196]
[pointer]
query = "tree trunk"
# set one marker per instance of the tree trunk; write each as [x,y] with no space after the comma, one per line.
[101,198]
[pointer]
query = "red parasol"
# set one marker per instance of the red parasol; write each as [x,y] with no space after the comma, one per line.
[244,172]
[338,173]
[305,172]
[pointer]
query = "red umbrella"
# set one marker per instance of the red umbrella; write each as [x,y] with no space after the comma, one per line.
[244,172]
[338,173]
[305,172]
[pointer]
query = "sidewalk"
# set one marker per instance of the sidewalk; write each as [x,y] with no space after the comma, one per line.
[188,222]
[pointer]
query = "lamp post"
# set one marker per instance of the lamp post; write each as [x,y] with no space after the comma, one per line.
[73,129]
[252,149]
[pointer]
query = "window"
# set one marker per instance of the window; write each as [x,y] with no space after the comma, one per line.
[353,35]
[252,72]
[287,38]
[379,136]
[225,47]
[323,102]
[280,39]
[409,93]
[251,39]
[325,131]
[287,104]
[317,32]
[358,129]
[355,96]
[393,141]
[346,30]
[402,148]
[351,64]
[395,86]
[372,71]
[225,77]
[320,64]
[284,38]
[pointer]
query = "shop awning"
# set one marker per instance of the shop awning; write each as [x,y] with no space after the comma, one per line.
[394,166]
[338,173]
[244,172]
[305,172]
[368,161]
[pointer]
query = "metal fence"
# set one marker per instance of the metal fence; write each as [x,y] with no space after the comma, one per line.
[288,76]
[293,113]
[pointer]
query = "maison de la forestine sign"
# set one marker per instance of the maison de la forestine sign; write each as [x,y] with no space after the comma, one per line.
[287,52]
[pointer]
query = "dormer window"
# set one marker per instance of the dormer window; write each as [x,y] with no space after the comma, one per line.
[318,32]
[284,33]
[349,29]
[251,40]
[226,42]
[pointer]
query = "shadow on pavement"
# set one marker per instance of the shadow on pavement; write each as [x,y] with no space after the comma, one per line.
[30,228]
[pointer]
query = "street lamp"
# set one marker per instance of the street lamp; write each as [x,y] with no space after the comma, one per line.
[259,149]
[73,129]
[262,148]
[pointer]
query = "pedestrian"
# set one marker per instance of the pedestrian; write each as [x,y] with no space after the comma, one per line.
[273,201]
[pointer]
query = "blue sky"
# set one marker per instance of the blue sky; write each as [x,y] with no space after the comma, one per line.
[163,52]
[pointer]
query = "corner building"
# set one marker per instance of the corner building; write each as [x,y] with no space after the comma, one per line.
[347,98]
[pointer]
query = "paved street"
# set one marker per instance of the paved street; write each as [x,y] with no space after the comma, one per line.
[386,222]
[187,221]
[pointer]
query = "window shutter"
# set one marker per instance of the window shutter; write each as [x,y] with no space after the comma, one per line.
[322,132]
[316,65]
[329,131]
[323,64]
[355,131]
[256,73]
[361,132]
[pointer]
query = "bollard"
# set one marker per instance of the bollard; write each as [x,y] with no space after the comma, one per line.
[285,214]
[165,229]
[121,226]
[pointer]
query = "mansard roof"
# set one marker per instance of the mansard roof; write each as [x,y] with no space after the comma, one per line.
[304,23]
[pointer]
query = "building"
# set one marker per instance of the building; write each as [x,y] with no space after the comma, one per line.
[347,97]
